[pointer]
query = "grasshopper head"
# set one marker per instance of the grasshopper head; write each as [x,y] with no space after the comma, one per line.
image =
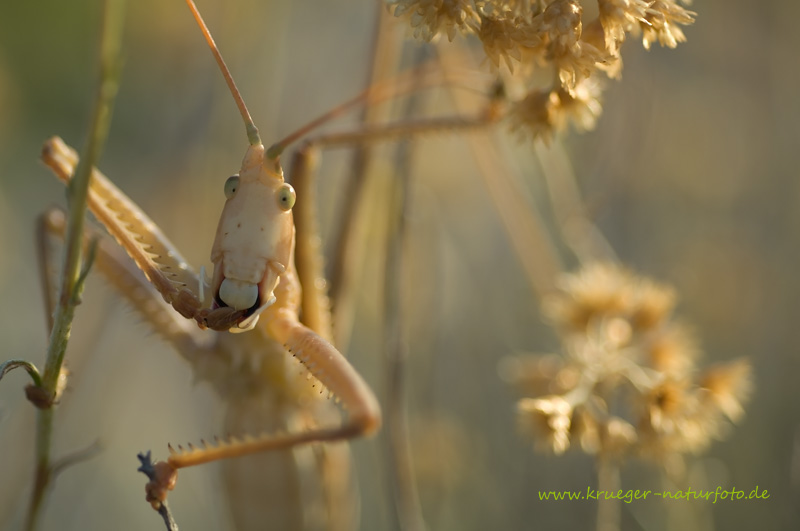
[255,237]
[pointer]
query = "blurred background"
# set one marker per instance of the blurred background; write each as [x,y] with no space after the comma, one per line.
[689,175]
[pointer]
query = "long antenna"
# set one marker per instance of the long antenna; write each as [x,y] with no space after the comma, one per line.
[252,130]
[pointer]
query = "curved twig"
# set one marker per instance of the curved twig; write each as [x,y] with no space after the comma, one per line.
[10,365]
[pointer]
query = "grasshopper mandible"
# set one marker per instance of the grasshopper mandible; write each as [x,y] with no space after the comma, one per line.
[253,289]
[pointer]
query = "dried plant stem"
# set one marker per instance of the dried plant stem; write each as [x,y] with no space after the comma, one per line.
[523,225]
[528,236]
[408,508]
[76,457]
[348,250]
[401,472]
[577,231]
[73,276]
[608,510]
[406,497]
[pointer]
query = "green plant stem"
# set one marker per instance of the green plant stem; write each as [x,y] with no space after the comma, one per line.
[41,478]
[73,276]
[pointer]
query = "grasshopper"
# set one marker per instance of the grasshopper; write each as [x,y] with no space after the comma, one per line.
[247,332]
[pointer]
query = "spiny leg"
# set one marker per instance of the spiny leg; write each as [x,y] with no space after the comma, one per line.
[196,346]
[118,269]
[310,265]
[325,363]
[141,238]
[319,356]
[332,370]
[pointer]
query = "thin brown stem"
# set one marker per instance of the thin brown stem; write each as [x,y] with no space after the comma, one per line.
[309,263]
[377,92]
[608,509]
[76,457]
[577,230]
[404,485]
[347,256]
[523,225]
[404,129]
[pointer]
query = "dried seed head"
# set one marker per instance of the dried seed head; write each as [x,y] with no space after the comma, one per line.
[661,23]
[562,25]
[619,17]
[597,291]
[547,421]
[728,386]
[672,351]
[585,430]
[651,304]
[666,404]
[620,342]
[430,17]
[541,114]
[557,35]
[507,38]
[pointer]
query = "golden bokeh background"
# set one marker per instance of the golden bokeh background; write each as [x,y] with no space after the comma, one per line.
[690,174]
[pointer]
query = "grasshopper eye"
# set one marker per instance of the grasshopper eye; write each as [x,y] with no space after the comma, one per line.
[286,197]
[231,185]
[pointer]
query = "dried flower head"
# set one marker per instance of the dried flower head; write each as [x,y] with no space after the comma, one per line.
[671,351]
[728,385]
[662,23]
[430,17]
[585,430]
[507,38]
[651,304]
[542,113]
[555,35]
[620,17]
[547,420]
[596,291]
[605,291]
[671,421]
[620,341]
